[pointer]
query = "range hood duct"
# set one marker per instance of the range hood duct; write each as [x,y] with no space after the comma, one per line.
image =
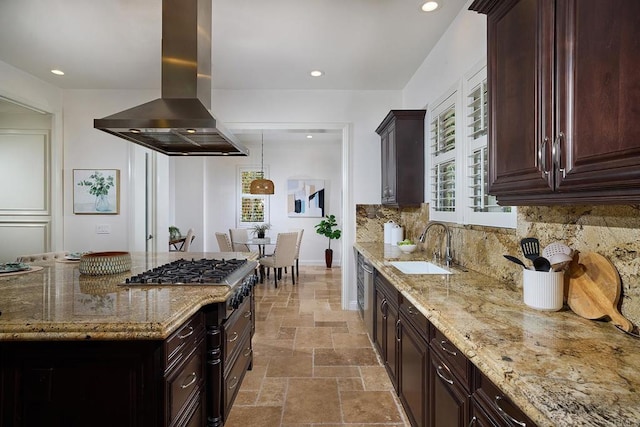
[179,123]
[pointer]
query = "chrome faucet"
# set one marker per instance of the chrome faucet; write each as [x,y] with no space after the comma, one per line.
[447,251]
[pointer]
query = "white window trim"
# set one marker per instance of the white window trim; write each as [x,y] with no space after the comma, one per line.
[240,195]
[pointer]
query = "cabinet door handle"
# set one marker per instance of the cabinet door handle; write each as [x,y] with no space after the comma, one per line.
[234,336]
[557,154]
[445,349]
[398,330]
[187,334]
[247,314]
[439,371]
[383,307]
[193,379]
[542,155]
[247,352]
[473,421]
[506,416]
[233,383]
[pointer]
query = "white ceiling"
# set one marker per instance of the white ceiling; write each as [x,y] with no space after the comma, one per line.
[256,44]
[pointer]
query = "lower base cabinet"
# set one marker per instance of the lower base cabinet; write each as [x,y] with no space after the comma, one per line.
[448,399]
[414,373]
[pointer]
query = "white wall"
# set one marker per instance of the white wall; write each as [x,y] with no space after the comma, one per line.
[217,209]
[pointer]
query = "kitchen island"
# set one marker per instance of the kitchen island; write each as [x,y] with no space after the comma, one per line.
[558,368]
[86,350]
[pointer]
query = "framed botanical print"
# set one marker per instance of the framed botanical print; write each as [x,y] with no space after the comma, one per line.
[96,191]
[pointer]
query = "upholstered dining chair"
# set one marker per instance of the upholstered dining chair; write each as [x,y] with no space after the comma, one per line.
[224,243]
[187,240]
[45,256]
[299,241]
[239,235]
[283,256]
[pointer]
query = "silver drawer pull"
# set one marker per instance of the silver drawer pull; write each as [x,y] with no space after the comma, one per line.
[439,372]
[234,336]
[411,311]
[247,352]
[247,314]
[473,421]
[506,416]
[451,352]
[193,379]
[233,383]
[187,334]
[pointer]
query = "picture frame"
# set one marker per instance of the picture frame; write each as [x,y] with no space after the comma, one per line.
[96,191]
[305,198]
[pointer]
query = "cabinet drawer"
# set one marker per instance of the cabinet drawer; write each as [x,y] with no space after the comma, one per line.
[452,357]
[415,317]
[181,342]
[186,383]
[498,406]
[236,327]
[387,289]
[233,379]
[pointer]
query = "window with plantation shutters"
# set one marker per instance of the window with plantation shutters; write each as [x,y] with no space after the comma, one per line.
[252,209]
[443,156]
[481,207]
[459,156]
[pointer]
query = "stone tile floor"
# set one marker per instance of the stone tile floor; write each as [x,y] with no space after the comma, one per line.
[313,362]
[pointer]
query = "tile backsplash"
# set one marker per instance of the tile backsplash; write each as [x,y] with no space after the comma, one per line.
[612,231]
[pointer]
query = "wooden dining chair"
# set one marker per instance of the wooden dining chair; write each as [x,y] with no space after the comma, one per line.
[283,256]
[224,243]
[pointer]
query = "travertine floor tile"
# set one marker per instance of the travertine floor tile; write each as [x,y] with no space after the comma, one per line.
[314,365]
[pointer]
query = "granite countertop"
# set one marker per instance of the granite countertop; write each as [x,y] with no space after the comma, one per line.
[560,369]
[58,303]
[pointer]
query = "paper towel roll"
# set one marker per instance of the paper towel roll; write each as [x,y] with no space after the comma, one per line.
[397,234]
[388,226]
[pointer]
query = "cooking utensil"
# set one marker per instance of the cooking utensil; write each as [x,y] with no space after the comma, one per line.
[594,289]
[541,264]
[560,261]
[530,247]
[514,259]
[556,248]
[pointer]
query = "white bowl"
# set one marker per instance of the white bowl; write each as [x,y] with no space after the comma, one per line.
[407,249]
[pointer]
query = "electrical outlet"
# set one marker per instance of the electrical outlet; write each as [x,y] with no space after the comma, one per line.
[103,229]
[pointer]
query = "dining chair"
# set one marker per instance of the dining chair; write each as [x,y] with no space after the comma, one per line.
[239,235]
[298,242]
[283,256]
[224,243]
[45,256]
[187,240]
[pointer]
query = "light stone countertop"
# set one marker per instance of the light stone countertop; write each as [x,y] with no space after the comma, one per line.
[58,303]
[560,369]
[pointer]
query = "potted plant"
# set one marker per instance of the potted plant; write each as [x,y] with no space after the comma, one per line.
[326,228]
[260,229]
[174,232]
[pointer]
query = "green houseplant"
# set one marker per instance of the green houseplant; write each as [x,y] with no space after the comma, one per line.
[326,228]
[260,229]
[174,232]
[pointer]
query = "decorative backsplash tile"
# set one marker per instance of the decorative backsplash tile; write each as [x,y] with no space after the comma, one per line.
[613,231]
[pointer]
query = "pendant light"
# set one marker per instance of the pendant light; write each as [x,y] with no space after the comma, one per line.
[261,185]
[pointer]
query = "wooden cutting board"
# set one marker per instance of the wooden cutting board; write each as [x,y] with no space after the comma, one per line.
[594,289]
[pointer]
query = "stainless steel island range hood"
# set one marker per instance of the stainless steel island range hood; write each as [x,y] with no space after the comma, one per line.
[179,123]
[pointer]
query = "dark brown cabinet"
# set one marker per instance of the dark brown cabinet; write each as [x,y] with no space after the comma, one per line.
[386,326]
[491,407]
[563,96]
[413,364]
[402,141]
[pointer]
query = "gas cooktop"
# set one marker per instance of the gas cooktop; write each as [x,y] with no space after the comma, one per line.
[195,272]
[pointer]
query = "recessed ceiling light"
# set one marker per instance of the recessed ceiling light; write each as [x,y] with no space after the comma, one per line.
[430,6]
[309,136]
[316,73]
[58,72]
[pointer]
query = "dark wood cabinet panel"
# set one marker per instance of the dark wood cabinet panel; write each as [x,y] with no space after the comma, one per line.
[448,399]
[563,96]
[402,148]
[413,372]
[387,324]
[498,409]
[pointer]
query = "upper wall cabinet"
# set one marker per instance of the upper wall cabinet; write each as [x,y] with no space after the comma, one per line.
[564,97]
[402,139]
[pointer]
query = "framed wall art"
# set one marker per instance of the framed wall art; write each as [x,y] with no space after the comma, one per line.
[96,191]
[305,198]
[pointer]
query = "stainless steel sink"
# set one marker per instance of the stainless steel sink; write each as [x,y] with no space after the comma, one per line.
[418,267]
